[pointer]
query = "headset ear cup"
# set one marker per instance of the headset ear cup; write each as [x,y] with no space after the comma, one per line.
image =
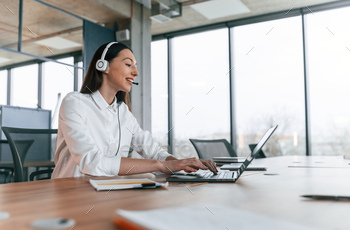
[102,65]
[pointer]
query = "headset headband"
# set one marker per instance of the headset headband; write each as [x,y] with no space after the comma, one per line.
[106,50]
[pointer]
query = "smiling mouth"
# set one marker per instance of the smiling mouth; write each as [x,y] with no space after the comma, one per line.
[130,80]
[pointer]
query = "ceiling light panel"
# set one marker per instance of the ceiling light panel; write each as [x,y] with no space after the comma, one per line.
[220,8]
[58,43]
[4,60]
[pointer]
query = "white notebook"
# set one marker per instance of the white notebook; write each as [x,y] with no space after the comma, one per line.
[116,184]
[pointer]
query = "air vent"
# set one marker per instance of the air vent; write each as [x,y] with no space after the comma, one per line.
[165,10]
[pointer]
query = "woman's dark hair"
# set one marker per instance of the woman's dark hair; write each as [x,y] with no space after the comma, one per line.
[93,78]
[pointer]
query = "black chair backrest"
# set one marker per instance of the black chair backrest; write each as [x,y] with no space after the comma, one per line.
[29,145]
[207,149]
[5,170]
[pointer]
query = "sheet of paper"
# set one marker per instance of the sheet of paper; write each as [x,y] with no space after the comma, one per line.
[334,162]
[205,217]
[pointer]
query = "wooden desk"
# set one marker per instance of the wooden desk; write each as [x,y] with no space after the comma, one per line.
[276,195]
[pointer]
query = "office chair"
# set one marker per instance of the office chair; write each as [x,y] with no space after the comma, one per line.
[31,150]
[207,149]
[5,170]
[260,154]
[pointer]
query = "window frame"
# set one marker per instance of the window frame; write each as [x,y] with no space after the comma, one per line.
[230,24]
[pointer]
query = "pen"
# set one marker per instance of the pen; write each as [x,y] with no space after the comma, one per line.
[146,185]
[326,197]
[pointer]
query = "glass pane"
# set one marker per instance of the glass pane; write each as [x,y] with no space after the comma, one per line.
[25,86]
[49,32]
[159,55]
[328,49]
[201,89]
[9,24]
[58,80]
[3,87]
[269,86]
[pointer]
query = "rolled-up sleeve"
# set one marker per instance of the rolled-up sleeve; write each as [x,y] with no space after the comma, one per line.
[81,144]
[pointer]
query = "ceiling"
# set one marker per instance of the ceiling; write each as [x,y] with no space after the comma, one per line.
[41,22]
[191,18]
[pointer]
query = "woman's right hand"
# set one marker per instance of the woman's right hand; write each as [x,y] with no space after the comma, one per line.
[188,165]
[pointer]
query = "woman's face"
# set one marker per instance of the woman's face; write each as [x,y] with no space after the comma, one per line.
[122,71]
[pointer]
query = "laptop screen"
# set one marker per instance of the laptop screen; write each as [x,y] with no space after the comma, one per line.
[258,147]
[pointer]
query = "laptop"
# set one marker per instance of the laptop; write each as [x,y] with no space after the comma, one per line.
[235,161]
[225,160]
[260,154]
[223,175]
[236,166]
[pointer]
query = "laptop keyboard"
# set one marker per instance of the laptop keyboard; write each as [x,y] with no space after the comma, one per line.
[209,174]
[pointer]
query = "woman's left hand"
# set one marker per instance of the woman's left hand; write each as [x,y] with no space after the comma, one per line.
[210,164]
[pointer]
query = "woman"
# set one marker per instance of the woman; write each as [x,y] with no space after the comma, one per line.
[96,126]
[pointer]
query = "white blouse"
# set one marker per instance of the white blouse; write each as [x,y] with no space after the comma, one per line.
[88,137]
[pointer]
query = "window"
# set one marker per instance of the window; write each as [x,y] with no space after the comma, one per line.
[25,86]
[201,89]
[3,87]
[328,50]
[269,85]
[58,80]
[159,62]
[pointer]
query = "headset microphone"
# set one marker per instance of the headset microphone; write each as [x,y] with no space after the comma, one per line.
[135,83]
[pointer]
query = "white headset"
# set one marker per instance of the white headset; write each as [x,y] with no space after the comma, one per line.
[102,64]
